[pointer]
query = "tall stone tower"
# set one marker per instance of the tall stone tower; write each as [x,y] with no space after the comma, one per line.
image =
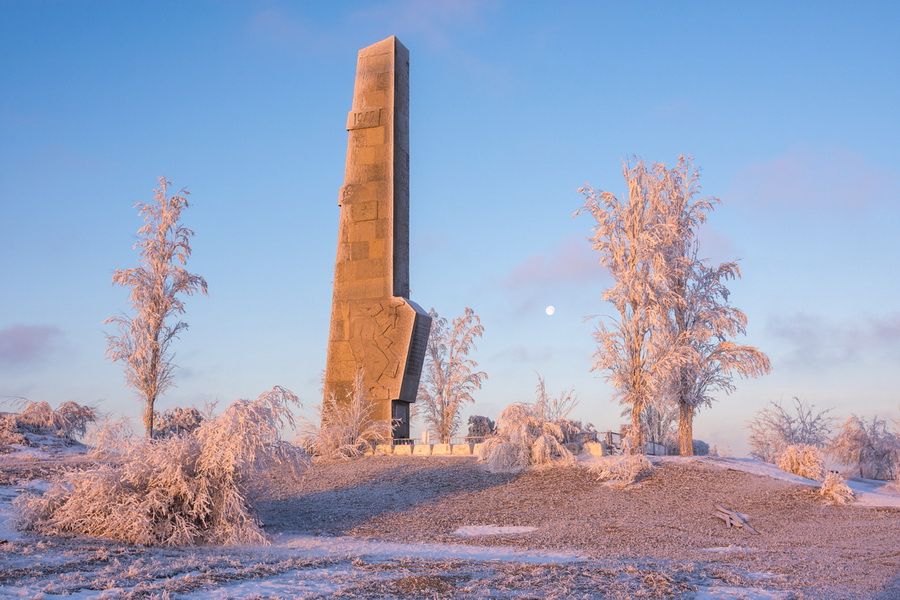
[375,328]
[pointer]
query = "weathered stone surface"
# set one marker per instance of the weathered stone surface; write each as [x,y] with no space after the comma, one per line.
[422,449]
[384,449]
[594,449]
[461,449]
[374,326]
[440,449]
[403,449]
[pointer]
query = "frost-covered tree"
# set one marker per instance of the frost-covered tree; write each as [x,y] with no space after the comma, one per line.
[480,427]
[702,325]
[143,344]
[631,237]
[672,340]
[870,446]
[775,428]
[450,375]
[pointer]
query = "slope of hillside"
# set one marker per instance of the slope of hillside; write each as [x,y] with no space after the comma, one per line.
[444,527]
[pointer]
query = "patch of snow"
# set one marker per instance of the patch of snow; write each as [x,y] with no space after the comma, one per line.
[299,583]
[733,593]
[343,547]
[478,530]
[731,548]
[869,493]
[873,493]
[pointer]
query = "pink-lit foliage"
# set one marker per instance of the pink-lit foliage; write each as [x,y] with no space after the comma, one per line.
[870,446]
[532,434]
[145,337]
[670,346]
[193,488]
[775,428]
[69,421]
[804,460]
[450,376]
[345,428]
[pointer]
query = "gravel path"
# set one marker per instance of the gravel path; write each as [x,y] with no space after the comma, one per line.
[804,545]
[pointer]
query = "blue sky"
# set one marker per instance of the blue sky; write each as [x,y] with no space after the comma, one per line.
[789,108]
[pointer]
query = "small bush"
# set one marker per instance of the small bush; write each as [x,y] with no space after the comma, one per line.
[524,438]
[194,488]
[700,447]
[37,416]
[835,489]
[803,460]
[69,422]
[9,432]
[480,427]
[622,468]
[176,421]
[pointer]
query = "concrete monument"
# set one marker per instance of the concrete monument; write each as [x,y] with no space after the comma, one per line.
[374,325]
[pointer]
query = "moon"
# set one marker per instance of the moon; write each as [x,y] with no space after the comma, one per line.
[550,309]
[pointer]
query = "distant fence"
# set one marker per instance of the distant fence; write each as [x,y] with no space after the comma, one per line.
[437,440]
[612,440]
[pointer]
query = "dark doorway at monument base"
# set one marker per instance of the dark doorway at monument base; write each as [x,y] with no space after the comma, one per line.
[375,328]
[400,416]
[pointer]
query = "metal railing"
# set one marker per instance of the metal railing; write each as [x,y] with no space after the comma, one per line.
[613,440]
[430,440]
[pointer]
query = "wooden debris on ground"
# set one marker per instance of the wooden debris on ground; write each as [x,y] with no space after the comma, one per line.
[734,519]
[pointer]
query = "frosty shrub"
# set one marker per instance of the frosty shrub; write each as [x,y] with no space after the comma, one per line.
[9,432]
[524,437]
[700,448]
[69,421]
[803,460]
[480,427]
[869,446]
[110,438]
[37,416]
[194,488]
[623,468]
[345,428]
[775,428]
[835,489]
[176,421]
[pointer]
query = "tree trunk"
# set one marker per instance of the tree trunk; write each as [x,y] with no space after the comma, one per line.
[636,435]
[148,418]
[686,428]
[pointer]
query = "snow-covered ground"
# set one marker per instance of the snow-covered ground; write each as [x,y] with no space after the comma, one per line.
[867,492]
[353,566]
